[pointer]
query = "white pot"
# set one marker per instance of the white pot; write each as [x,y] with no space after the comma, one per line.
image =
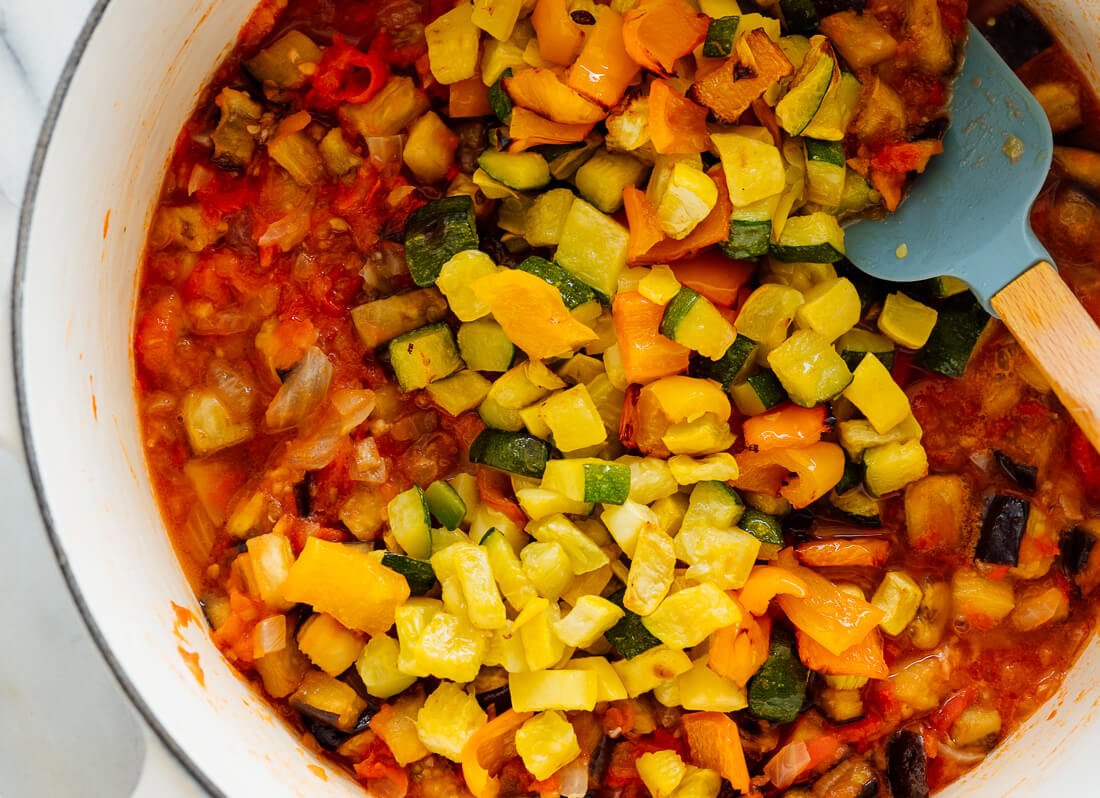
[130,84]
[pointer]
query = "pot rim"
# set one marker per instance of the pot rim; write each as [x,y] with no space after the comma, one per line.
[22,244]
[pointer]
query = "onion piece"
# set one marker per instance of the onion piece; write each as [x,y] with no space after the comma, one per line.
[573,779]
[368,464]
[353,406]
[302,392]
[386,153]
[269,636]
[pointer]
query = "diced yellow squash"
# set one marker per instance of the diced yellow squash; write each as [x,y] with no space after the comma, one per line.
[703,690]
[565,689]
[319,691]
[699,783]
[688,198]
[647,670]
[390,111]
[706,435]
[450,648]
[670,512]
[893,466]
[484,606]
[976,726]
[573,419]
[460,392]
[768,312]
[609,687]
[689,470]
[348,584]
[449,717]
[498,56]
[541,645]
[906,321]
[584,554]
[506,651]
[858,435]
[688,617]
[377,667]
[979,601]
[546,743]
[430,148]
[753,168]
[456,280]
[590,617]
[592,247]
[497,17]
[651,571]
[454,600]
[209,424]
[411,619]
[539,503]
[485,518]
[660,284]
[831,308]
[453,44]
[508,571]
[898,595]
[271,558]
[546,565]
[933,615]
[626,521]
[330,645]
[877,396]
[661,772]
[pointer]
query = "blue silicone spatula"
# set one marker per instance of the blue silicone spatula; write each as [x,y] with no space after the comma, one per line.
[967,216]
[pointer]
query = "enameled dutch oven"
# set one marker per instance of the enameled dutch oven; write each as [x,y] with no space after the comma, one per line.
[130,83]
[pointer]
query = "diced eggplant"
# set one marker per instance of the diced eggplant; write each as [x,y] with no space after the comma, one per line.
[1075,548]
[601,759]
[907,765]
[235,136]
[1022,474]
[827,7]
[303,496]
[328,736]
[1003,530]
[853,777]
[1017,35]
[499,698]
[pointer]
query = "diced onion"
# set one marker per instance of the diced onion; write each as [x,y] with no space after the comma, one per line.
[286,232]
[573,779]
[314,453]
[785,767]
[386,153]
[200,178]
[368,464]
[302,392]
[354,407]
[269,636]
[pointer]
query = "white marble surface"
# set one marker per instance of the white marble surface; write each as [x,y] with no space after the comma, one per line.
[66,729]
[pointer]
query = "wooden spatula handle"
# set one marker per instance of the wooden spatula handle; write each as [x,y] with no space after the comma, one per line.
[1059,335]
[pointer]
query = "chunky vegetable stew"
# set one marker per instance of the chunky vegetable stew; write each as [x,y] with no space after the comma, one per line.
[524,429]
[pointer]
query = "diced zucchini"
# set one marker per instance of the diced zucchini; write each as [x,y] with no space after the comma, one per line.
[877,396]
[906,321]
[584,555]
[456,279]
[650,479]
[808,88]
[831,308]
[892,466]
[854,344]
[497,17]
[858,195]
[898,595]
[445,504]
[732,366]
[509,394]
[513,452]
[575,422]
[686,199]
[523,171]
[419,574]
[815,238]
[838,109]
[778,690]
[565,162]
[539,503]
[590,617]
[460,392]
[724,557]
[953,339]
[546,743]
[574,292]
[377,667]
[720,33]
[430,148]
[858,435]
[646,670]
[410,522]
[713,505]
[423,356]
[809,369]
[337,153]
[436,233]
[234,143]
[825,173]
[603,177]
[580,369]
[856,505]
[547,567]
[800,15]
[609,687]
[766,503]
[592,247]
[564,689]
[507,570]
[689,616]
[629,636]
[758,394]
[453,44]
[768,312]
[499,100]
[690,319]
[384,319]
[799,276]
[546,217]
[485,346]
[449,647]
[285,63]
[588,480]
[766,528]
[748,238]
[947,286]
[753,168]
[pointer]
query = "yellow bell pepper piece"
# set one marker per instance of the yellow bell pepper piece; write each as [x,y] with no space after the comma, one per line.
[686,398]
[532,314]
[765,583]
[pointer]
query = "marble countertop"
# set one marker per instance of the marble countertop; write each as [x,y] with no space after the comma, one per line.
[67,729]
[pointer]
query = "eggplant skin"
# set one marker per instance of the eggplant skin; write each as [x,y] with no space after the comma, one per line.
[1074,549]
[499,698]
[907,765]
[1003,530]
[1026,476]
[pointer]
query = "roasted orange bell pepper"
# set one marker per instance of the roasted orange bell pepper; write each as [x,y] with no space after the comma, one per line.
[835,619]
[787,426]
[714,228]
[714,276]
[865,658]
[604,69]
[528,129]
[647,355]
[765,583]
[738,653]
[532,313]
[716,744]
[488,749]
[760,62]
[657,32]
[559,37]
[541,91]
[801,476]
[677,126]
[641,218]
[841,553]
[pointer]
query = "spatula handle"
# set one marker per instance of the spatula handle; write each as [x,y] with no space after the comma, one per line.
[1059,335]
